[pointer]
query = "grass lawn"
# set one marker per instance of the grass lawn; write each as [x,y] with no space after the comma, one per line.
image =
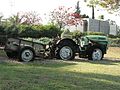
[60,75]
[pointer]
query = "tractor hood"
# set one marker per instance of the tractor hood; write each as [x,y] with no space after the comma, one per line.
[98,38]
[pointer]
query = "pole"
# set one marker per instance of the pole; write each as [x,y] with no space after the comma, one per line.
[93,14]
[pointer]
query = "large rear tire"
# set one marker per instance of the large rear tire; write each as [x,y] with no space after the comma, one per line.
[26,54]
[95,54]
[66,52]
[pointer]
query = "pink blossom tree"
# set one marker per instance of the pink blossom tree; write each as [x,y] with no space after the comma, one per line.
[63,16]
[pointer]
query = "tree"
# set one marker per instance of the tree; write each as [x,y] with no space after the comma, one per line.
[60,16]
[1,19]
[15,19]
[78,8]
[84,16]
[31,18]
[111,22]
[101,17]
[12,24]
[110,5]
[64,16]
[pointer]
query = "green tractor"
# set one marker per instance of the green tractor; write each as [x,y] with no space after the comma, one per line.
[92,47]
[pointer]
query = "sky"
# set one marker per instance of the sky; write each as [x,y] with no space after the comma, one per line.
[10,7]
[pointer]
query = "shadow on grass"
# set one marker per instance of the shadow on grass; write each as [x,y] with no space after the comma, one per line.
[93,81]
[60,63]
[105,61]
[46,75]
[40,63]
[52,63]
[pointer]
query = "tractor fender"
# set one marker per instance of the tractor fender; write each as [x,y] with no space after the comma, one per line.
[68,41]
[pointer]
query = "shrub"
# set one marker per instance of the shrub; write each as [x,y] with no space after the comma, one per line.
[66,34]
[95,33]
[3,40]
[37,31]
[114,42]
[76,33]
[51,31]
[43,40]
[2,31]
[112,36]
[34,31]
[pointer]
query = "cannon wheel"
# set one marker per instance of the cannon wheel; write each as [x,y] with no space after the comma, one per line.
[26,54]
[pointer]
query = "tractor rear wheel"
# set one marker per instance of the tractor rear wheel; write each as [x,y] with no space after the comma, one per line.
[66,52]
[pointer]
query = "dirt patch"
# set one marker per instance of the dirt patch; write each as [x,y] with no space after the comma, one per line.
[5,59]
[113,53]
[2,59]
[111,59]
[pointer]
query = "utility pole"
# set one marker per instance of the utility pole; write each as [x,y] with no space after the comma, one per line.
[92,6]
[93,12]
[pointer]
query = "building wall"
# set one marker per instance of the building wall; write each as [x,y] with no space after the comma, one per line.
[104,27]
[98,26]
[95,26]
[113,29]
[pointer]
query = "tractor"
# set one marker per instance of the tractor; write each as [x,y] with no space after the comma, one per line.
[92,47]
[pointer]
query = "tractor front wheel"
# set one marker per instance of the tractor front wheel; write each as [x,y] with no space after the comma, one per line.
[95,54]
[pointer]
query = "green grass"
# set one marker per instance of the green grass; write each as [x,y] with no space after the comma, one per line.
[61,75]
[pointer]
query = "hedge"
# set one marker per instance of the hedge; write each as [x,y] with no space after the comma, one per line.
[35,31]
[77,33]
[27,31]
[114,42]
